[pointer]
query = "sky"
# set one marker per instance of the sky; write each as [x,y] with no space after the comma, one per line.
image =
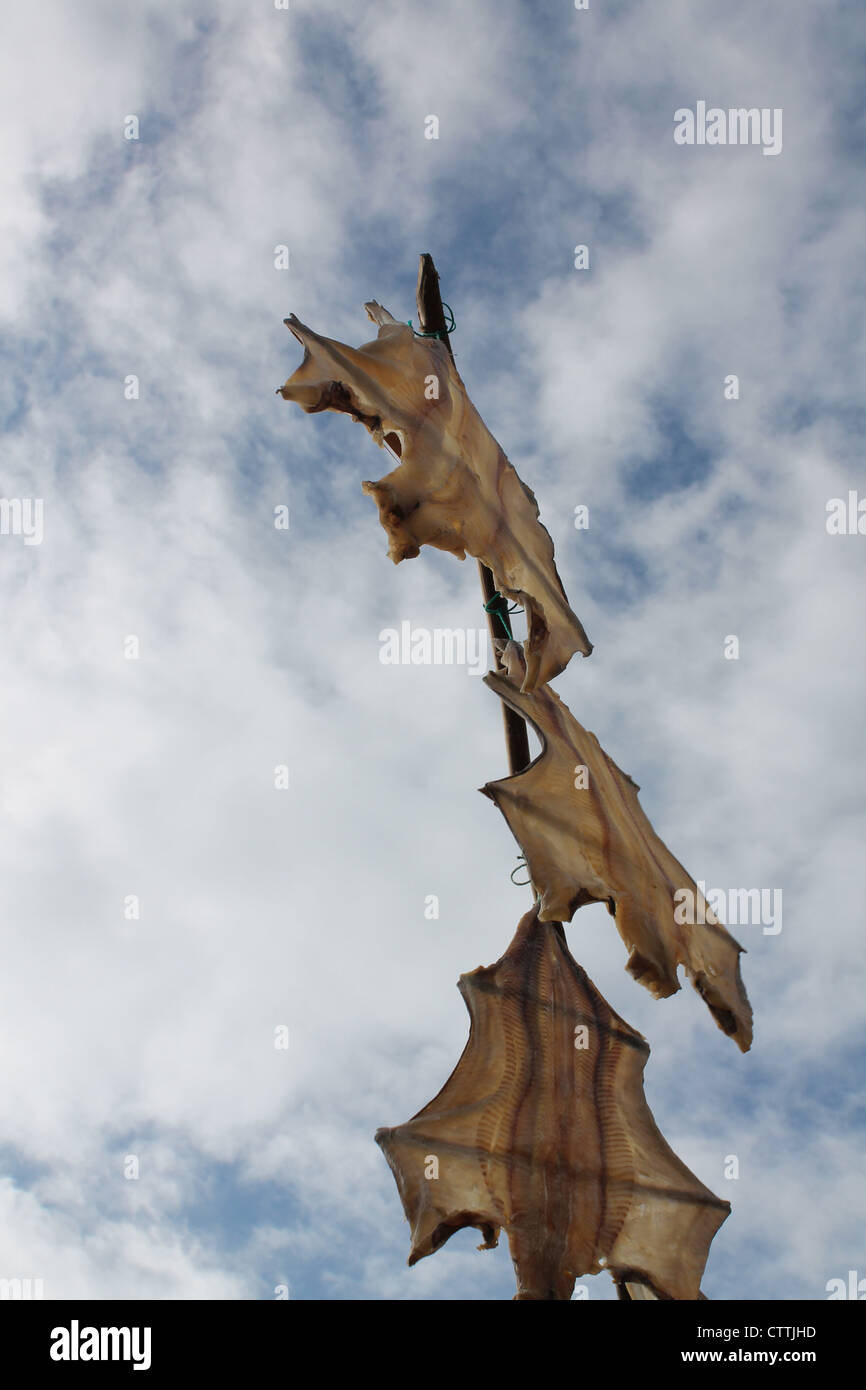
[166,905]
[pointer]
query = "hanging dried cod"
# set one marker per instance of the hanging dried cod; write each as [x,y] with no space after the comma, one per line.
[594,843]
[543,1129]
[454,487]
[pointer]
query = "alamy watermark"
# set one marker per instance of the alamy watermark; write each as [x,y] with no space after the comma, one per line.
[854,1288]
[439,646]
[22,516]
[757,907]
[77,1343]
[846,518]
[738,125]
[21,1290]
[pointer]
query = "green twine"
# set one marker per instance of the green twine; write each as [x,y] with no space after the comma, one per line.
[521,864]
[493,606]
[439,332]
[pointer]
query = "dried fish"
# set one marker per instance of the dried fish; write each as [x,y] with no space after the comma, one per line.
[543,1129]
[454,488]
[587,839]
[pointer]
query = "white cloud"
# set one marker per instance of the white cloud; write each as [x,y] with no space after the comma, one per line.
[260,647]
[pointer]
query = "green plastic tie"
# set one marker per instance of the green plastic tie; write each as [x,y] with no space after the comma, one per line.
[521,864]
[438,332]
[492,606]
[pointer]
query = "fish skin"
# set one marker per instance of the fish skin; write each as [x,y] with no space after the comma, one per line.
[596,844]
[552,1142]
[453,488]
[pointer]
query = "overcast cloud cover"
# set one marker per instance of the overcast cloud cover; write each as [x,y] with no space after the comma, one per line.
[155,777]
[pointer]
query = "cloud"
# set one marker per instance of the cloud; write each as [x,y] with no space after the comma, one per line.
[155,777]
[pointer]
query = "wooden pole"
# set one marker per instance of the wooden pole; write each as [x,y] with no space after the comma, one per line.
[431,319]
